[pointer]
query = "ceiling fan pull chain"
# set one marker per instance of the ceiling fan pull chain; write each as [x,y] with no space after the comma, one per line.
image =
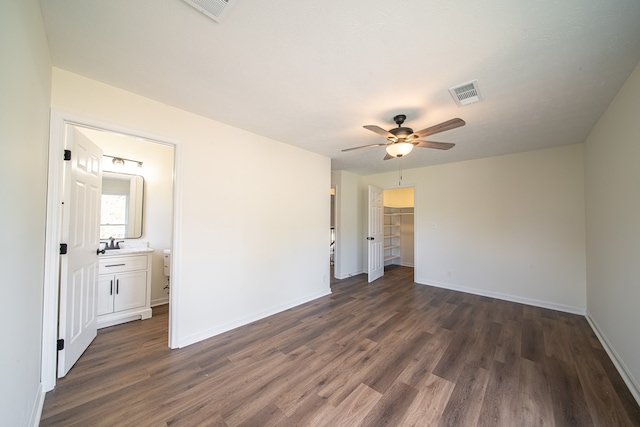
[400,173]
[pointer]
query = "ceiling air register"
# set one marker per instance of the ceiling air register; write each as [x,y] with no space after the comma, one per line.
[466,93]
[214,9]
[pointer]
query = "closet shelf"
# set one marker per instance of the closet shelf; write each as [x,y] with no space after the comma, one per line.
[395,220]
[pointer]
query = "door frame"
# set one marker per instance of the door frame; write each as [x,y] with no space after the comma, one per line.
[58,120]
[335,214]
[416,225]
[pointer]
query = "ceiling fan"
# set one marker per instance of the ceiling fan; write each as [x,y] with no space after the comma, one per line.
[401,140]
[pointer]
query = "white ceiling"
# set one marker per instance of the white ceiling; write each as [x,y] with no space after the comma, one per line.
[311,73]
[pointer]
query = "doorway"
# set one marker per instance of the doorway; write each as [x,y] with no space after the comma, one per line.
[134,140]
[332,237]
[150,223]
[390,226]
[399,226]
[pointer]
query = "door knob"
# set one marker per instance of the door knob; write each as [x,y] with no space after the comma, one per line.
[371,238]
[98,251]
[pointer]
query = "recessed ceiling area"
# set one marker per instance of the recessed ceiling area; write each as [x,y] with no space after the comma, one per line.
[311,74]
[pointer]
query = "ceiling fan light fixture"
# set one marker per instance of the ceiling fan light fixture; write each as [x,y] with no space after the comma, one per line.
[399,149]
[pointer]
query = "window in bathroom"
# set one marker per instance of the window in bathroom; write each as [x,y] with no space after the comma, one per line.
[113,218]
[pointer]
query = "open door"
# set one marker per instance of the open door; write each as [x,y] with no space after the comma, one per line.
[375,267]
[81,232]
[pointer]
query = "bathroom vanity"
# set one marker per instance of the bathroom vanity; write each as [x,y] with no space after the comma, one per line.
[124,286]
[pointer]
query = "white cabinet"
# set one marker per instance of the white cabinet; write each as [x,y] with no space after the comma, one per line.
[124,288]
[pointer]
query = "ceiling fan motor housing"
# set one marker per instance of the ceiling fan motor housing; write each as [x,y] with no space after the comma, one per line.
[401,132]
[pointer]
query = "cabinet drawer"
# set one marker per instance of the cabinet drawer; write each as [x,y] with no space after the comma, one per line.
[121,264]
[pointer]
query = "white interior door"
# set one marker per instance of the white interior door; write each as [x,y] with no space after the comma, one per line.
[81,231]
[375,238]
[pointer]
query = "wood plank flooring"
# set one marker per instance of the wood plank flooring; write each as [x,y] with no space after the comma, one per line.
[391,353]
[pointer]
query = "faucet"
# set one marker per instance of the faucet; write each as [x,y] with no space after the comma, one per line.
[111,244]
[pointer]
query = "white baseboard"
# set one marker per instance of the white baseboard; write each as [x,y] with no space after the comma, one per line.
[197,337]
[506,297]
[628,379]
[160,301]
[346,276]
[38,404]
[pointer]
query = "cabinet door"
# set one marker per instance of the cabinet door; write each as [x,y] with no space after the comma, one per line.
[131,290]
[106,289]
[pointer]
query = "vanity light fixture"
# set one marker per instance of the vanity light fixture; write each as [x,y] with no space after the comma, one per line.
[120,161]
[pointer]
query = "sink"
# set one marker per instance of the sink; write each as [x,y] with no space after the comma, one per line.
[125,251]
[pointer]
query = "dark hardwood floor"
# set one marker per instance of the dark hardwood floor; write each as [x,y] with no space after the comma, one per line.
[389,353]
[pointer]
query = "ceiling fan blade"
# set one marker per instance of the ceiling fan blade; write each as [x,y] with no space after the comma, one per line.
[387,157]
[365,146]
[448,125]
[437,145]
[380,131]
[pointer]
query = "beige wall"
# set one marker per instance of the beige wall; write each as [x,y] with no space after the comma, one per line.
[253,224]
[509,226]
[399,197]
[25,85]
[612,155]
[348,256]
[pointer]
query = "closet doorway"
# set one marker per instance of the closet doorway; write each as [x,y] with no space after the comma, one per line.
[399,226]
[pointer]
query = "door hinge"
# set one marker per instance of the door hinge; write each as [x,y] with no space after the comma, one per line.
[63,248]
[60,345]
[67,155]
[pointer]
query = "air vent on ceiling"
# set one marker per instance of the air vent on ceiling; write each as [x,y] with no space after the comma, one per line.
[214,9]
[466,93]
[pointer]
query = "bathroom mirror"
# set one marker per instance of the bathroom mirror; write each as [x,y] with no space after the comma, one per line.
[121,207]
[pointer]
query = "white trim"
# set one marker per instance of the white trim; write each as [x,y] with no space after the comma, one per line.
[176,245]
[350,275]
[51,260]
[38,404]
[513,298]
[159,301]
[203,335]
[621,367]
[57,124]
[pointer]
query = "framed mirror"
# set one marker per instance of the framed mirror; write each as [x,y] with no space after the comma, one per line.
[121,207]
